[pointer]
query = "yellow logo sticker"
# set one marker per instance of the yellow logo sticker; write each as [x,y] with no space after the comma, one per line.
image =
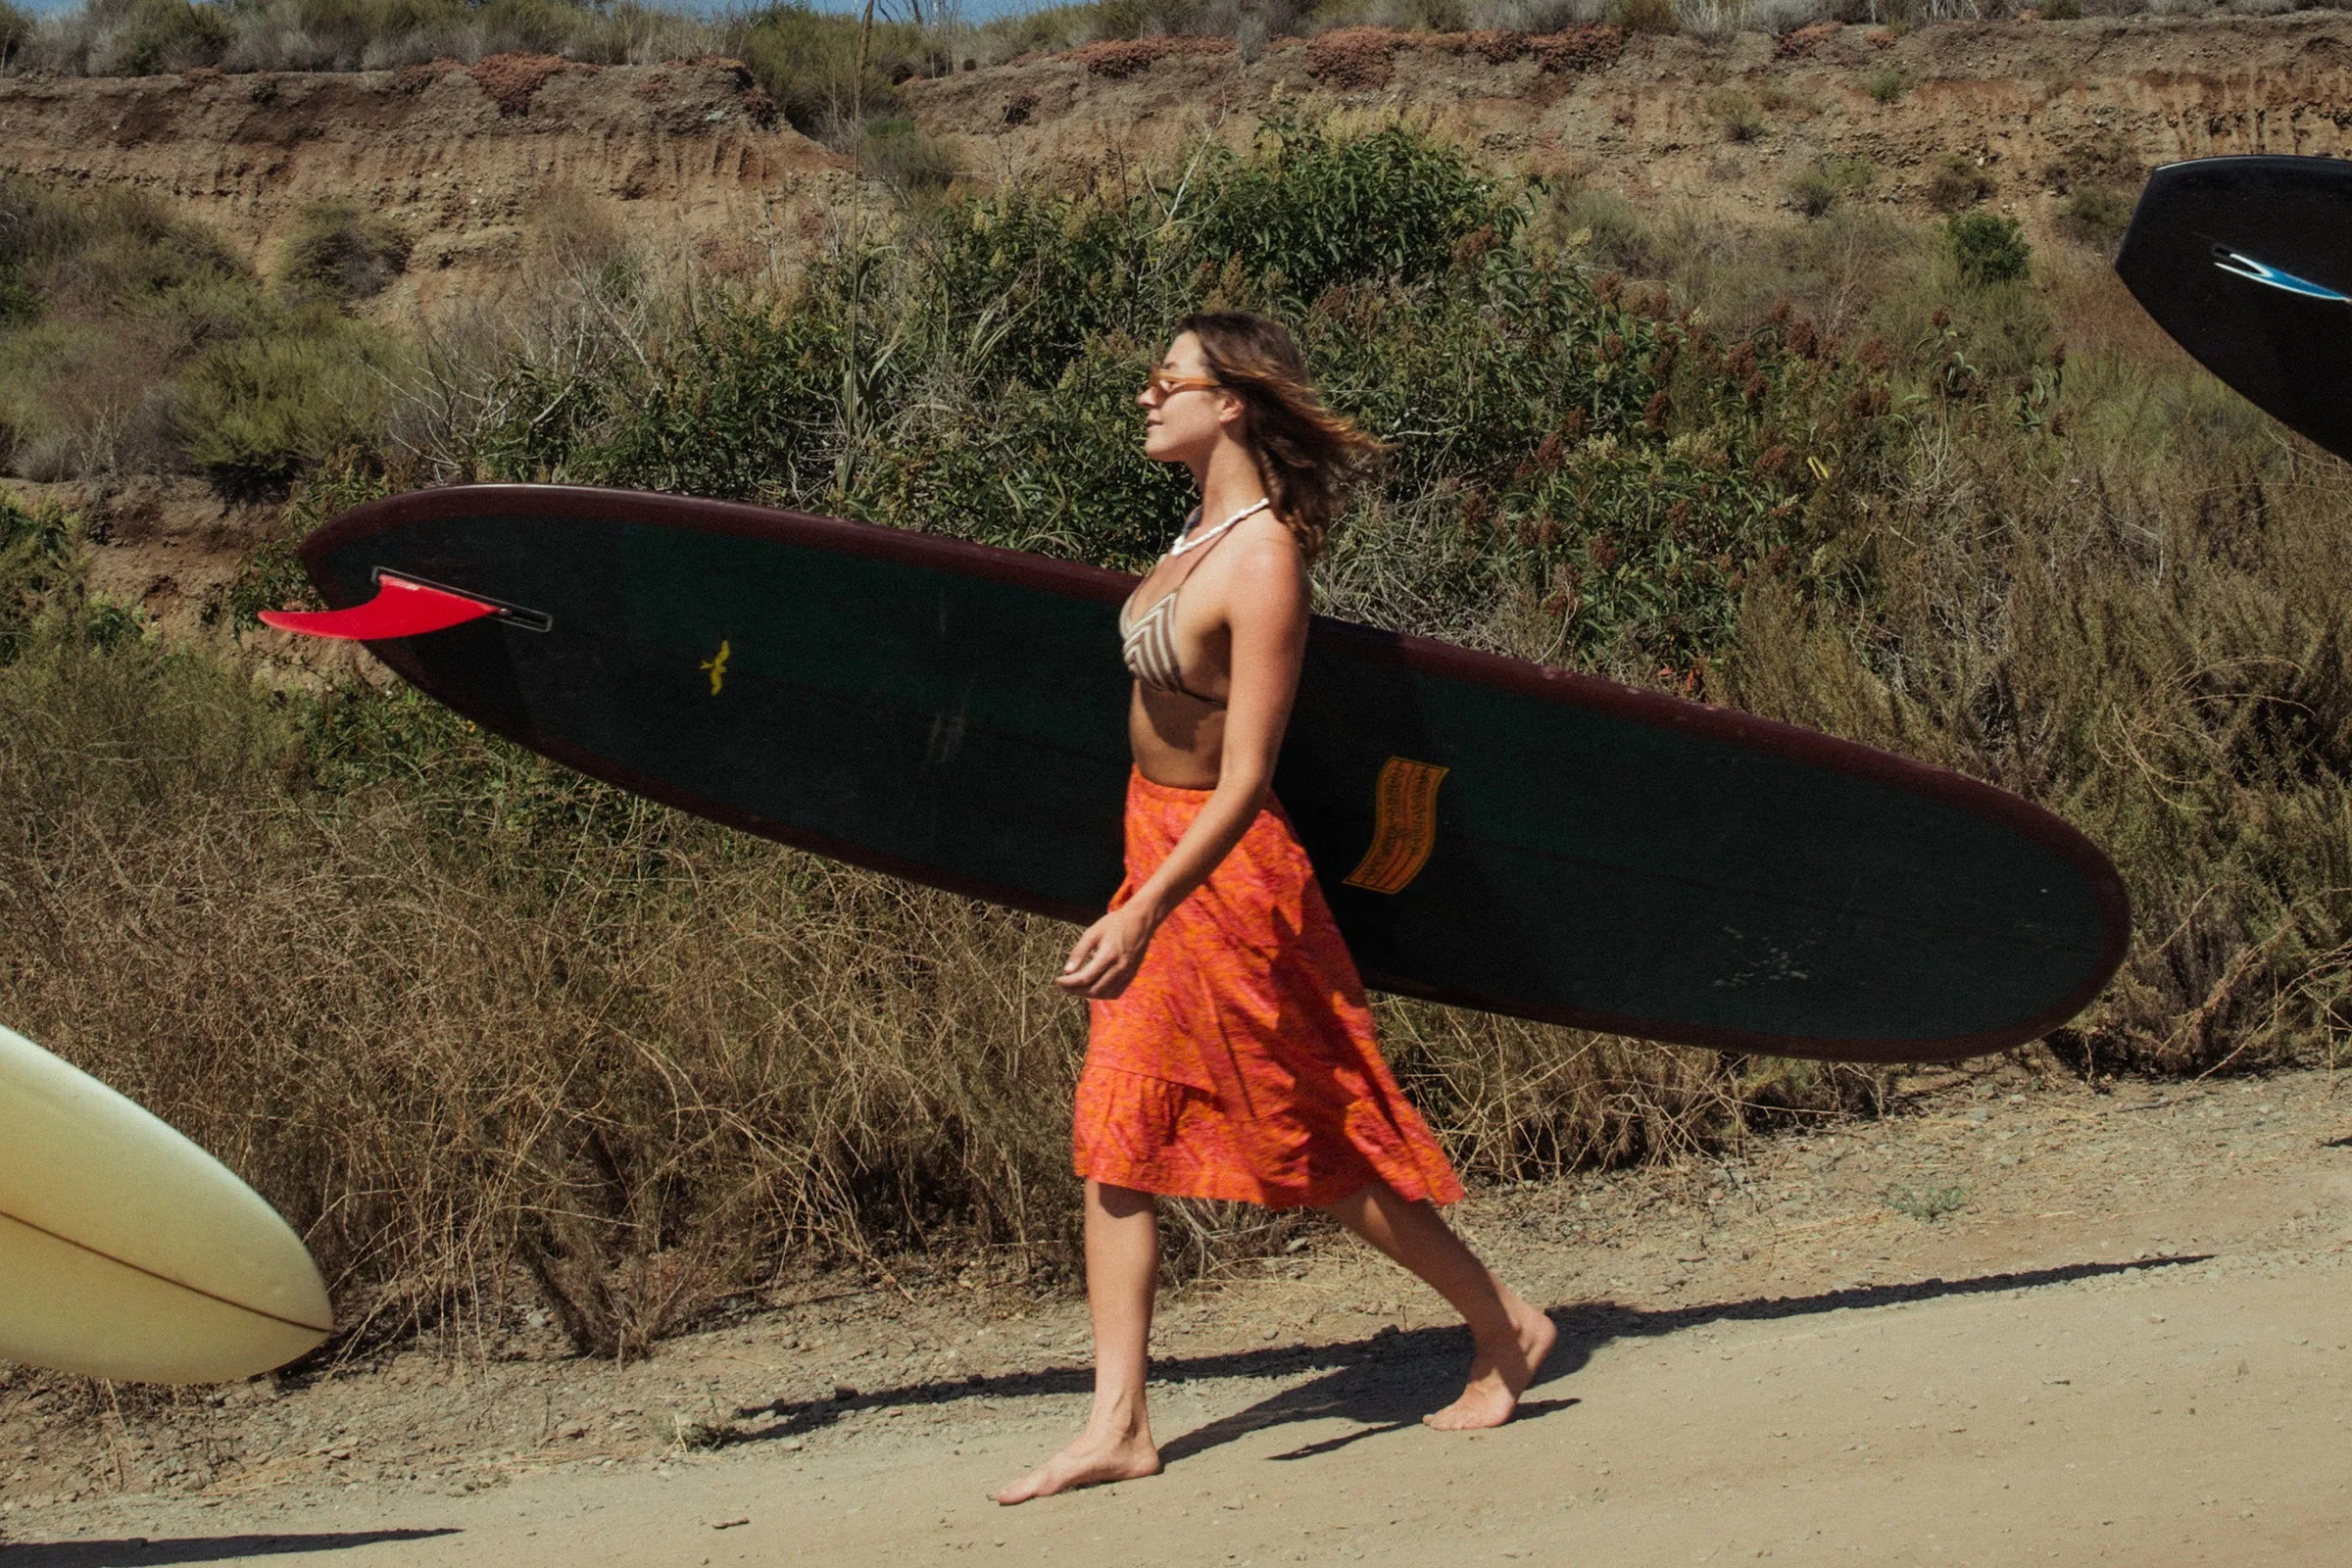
[1404,826]
[716,664]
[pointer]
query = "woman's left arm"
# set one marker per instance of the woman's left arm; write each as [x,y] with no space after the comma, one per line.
[1266,612]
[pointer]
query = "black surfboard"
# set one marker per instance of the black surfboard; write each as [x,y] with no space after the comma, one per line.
[1489,832]
[2247,263]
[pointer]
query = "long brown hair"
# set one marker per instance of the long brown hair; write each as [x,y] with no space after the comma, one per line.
[1306,453]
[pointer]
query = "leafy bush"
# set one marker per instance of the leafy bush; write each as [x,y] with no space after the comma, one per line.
[1814,191]
[104,293]
[137,343]
[17,28]
[1988,249]
[113,247]
[906,159]
[34,561]
[807,61]
[2097,215]
[1647,15]
[259,410]
[1310,212]
[1885,83]
[1957,182]
[340,253]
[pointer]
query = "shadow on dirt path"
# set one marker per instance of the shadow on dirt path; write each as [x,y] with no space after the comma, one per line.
[140,1553]
[1383,1383]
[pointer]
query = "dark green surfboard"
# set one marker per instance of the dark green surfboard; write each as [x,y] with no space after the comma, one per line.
[1490,833]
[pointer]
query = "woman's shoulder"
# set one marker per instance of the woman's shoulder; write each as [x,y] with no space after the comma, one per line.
[1263,560]
[1265,539]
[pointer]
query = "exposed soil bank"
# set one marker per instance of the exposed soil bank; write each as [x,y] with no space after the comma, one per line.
[685,153]
[691,153]
[2035,107]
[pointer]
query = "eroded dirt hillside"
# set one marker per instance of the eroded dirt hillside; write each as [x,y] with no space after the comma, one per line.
[467,163]
[465,159]
[2036,107]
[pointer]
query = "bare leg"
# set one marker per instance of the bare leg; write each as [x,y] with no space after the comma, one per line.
[1511,1338]
[1122,1270]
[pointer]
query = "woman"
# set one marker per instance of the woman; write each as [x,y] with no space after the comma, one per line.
[1231,1053]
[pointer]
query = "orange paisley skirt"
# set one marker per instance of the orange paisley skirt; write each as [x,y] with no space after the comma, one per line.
[1240,1063]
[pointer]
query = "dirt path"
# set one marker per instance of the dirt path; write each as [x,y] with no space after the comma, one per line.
[2128,1342]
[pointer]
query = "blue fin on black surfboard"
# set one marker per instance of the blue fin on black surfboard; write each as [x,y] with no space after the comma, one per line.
[2247,263]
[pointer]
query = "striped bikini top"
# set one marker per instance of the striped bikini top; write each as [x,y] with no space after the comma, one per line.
[1148,642]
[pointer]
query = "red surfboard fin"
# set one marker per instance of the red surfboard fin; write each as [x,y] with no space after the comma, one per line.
[400,608]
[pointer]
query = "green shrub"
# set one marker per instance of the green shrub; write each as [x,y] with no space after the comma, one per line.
[1957,182]
[2062,11]
[106,249]
[17,28]
[1988,249]
[1310,212]
[137,343]
[1647,15]
[98,285]
[2097,215]
[159,35]
[1814,191]
[36,561]
[1885,83]
[257,411]
[909,161]
[807,61]
[338,252]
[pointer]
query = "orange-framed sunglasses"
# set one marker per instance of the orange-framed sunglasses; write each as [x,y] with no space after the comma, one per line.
[1160,384]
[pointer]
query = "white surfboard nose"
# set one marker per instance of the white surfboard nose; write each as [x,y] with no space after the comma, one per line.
[126,1252]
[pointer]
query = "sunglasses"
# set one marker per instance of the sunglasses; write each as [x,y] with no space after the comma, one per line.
[1161,385]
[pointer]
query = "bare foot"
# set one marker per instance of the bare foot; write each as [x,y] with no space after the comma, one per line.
[1499,1372]
[1090,1461]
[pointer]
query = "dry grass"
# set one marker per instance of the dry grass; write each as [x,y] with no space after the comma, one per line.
[485,1027]
[2140,626]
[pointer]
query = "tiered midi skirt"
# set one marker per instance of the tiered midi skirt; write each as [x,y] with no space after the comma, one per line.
[1240,1063]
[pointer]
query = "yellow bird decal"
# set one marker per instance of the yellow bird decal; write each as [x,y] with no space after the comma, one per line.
[716,664]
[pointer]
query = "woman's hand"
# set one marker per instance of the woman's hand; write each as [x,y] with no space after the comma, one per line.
[1107,954]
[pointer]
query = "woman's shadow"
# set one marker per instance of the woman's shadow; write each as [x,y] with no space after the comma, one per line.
[1388,1380]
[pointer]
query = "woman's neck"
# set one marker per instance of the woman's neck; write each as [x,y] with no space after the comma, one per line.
[1228,479]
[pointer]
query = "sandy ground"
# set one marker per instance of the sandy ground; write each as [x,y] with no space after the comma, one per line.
[2127,1341]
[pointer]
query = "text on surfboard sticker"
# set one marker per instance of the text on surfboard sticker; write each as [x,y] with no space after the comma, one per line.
[1404,826]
